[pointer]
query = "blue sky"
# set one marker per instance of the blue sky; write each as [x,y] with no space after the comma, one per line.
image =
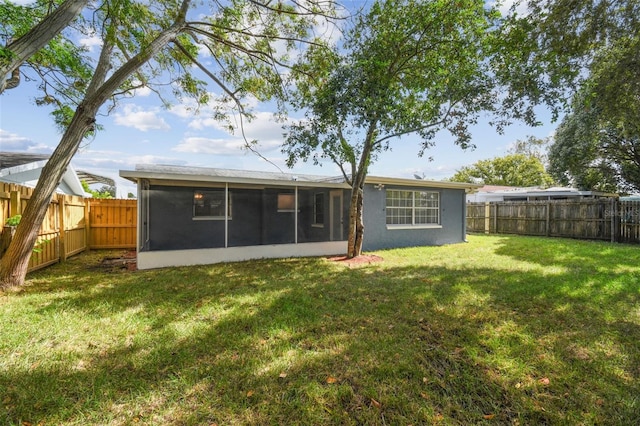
[141,131]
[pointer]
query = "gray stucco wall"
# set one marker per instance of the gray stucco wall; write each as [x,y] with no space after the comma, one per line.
[378,236]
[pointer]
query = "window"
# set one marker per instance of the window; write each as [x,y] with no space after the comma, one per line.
[413,208]
[210,204]
[318,209]
[286,202]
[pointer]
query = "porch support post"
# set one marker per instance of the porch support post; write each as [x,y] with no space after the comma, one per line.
[295,216]
[226,214]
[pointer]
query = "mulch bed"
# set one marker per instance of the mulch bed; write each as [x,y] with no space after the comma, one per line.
[364,259]
[127,260]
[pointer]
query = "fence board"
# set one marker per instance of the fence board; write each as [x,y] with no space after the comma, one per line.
[599,219]
[113,223]
[115,219]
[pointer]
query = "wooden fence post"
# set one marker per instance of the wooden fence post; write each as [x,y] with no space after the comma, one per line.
[14,203]
[487,218]
[548,219]
[87,223]
[495,218]
[62,246]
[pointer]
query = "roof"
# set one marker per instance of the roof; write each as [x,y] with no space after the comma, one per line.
[25,169]
[167,173]
[14,159]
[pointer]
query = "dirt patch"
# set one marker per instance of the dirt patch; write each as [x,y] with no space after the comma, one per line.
[127,261]
[364,259]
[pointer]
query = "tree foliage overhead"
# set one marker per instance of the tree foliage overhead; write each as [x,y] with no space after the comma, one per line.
[511,170]
[158,45]
[586,53]
[560,42]
[405,67]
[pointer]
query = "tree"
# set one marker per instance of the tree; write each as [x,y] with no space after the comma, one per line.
[595,151]
[146,42]
[560,42]
[532,147]
[21,46]
[597,145]
[106,191]
[406,66]
[511,170]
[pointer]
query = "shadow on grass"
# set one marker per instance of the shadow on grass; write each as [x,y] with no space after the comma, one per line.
[308,342]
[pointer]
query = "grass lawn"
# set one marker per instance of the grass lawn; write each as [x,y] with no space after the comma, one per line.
[502,330]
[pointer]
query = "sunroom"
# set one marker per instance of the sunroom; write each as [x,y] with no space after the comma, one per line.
[189,216]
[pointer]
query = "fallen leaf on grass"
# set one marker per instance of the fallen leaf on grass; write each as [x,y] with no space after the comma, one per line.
[375,403]
[283,375]
[544,381]
[331,380]
[250,393]
[488,416]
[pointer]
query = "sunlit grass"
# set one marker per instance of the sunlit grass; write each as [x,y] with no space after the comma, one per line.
[501,330]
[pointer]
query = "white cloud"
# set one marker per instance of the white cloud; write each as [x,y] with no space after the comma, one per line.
[90,42]
[218,146]
[262,127]
[138,118]
[14,142]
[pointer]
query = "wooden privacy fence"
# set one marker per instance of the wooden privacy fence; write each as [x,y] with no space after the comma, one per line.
[601,219]
[72,224]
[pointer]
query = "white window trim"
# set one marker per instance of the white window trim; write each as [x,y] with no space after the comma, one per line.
[420,226]
[414,225]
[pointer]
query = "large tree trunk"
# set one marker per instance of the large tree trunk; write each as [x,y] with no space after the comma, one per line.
[356,223]
[38,37]
[13,265]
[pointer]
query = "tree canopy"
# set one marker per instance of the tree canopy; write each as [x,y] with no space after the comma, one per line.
[404,67]
[157,45]
[511,170]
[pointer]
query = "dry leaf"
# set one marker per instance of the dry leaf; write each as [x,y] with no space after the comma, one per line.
[283,375]
[375,403]
[424,395]
[438,417]
[250,393]
[544,381]
[599,401]
[331,380]
[488,416]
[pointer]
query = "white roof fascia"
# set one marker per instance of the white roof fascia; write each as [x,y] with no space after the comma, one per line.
[468,187]
[199,178]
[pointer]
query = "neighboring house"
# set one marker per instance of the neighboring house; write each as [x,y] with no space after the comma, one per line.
[491,193]
[189,216]
[24,169]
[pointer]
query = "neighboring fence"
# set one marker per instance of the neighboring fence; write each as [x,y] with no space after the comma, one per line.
[601,219]
[72,224]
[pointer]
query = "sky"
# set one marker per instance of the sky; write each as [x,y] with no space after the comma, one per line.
[141,131]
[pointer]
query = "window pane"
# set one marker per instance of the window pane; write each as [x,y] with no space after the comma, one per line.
[318,209]
[209,203]
[413,207]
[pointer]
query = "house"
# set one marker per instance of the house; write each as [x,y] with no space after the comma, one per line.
[492,193]
[189,215]
[25,168]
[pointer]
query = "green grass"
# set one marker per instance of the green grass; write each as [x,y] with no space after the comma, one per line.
[502,330]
